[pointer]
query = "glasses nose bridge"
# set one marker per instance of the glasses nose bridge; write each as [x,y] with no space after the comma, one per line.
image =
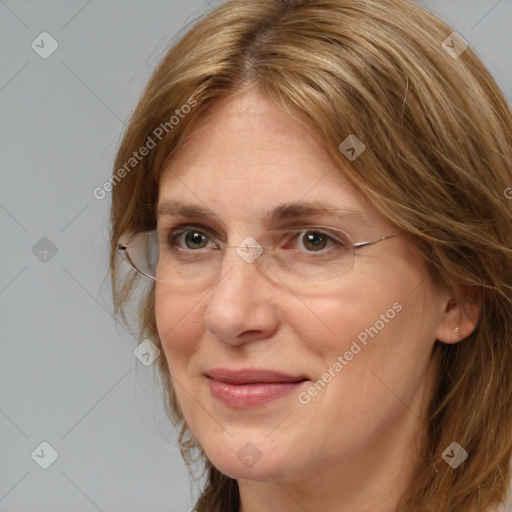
[249,250]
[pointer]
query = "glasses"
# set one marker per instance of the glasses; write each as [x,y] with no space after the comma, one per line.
[193,256]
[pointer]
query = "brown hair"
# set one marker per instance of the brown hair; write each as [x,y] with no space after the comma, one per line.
[438,159]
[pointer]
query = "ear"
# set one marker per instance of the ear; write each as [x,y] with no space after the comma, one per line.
[460,314]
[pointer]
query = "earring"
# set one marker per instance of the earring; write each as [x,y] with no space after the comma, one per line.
[456,330]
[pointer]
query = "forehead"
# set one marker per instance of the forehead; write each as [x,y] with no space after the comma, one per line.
[247,156]
[248,132]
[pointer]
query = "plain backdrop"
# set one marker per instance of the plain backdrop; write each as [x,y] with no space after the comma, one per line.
[68,376]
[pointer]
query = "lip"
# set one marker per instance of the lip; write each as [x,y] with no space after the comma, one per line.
[252,376]
[244,389]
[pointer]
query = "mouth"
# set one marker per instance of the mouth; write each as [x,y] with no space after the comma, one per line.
[244,389]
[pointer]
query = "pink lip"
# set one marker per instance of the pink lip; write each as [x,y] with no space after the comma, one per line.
[250,388]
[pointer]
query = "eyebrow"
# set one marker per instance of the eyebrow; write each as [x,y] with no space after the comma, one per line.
[288,211]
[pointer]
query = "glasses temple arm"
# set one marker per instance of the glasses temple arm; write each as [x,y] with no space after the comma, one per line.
[377,240]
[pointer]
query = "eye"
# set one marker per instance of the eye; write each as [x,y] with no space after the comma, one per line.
[315,241]
[195,240]
[191,239]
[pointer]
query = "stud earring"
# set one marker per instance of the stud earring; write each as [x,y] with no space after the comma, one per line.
[456,330]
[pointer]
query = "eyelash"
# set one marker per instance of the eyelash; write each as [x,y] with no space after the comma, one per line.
[172,236]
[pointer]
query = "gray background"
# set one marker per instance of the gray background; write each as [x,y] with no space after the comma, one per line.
[68,375]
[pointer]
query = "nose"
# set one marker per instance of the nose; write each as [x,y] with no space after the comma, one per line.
[240,306]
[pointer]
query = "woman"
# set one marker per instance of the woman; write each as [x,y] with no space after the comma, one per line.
[315,192]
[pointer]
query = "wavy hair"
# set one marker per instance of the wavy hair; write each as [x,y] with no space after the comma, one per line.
[438,164]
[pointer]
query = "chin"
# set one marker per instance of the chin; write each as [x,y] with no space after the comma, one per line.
[261,471]
[260,461]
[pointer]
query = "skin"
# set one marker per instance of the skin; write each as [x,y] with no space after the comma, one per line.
[354,445]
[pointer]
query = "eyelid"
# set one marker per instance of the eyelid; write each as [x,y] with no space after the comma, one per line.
[314,227]
[177,232]
[216,236]
[189,226]
[335,234]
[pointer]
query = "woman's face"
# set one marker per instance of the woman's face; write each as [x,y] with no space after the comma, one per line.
[357,349]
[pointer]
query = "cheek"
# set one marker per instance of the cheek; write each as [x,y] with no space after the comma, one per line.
[371,350]
[180,325]
[369,327]
[353,312]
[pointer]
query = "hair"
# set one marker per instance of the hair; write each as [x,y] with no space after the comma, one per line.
[438,137]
